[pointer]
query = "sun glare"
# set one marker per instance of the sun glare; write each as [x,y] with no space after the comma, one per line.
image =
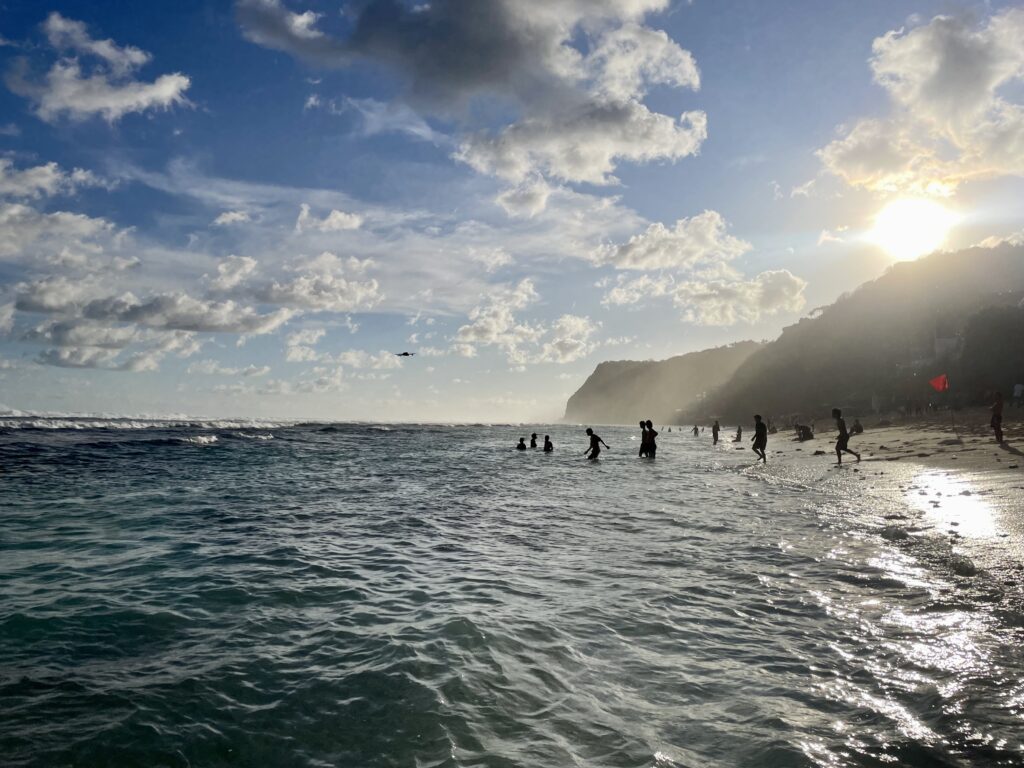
[907,229]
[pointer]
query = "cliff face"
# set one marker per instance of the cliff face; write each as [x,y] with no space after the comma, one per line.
[625,391]
[954,313]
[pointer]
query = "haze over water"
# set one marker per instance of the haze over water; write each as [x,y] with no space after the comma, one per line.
[355,595]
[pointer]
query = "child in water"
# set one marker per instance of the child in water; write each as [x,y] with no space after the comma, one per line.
[843,442]
[643,439]
[595,445]
[522,444]
[548,445]
[760,438]
[533,440]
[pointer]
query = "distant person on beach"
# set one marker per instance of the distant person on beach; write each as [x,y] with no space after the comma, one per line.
[843,442]
[533,440]
[858,428]
[522,444]
[715,429]
[595,445]
[739,435]
[652,447]
[997,417]
[695,430]
[643,439]
[548,445]
[760,438]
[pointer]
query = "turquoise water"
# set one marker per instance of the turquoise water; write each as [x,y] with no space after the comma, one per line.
[353,595]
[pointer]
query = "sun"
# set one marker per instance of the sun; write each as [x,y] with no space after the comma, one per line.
[907,229]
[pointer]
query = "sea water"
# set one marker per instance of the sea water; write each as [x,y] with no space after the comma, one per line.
[219,594]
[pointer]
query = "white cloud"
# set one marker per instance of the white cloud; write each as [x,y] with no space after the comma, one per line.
[528,199]
[356,358]
[700,240]
[323,292]
[233,271]
[214,368]
[950,82]
[638,289]
[42,180]
[108,89]
[6,317]
[299,345]
[584,144]
[335,221]
[231,217]
[632,56]
[726,302]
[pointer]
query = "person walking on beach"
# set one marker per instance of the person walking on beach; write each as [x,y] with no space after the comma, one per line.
[522,444]
[843,442]
[533,440]
[643,439]
[652,446]
[595,445]
[997,417]
[715,429]
[548,445]
[760,438]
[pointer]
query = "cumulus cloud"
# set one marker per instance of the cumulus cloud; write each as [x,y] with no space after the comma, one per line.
[108,88]
[700,240]
[299,345]
[527,199]
[231,217]
[633,291]
[726,302]
[322,292]
[232,271]
[579,110]
[584,144]
[357,358]
[953,119]
[68,239]
[335,221]
[42,180]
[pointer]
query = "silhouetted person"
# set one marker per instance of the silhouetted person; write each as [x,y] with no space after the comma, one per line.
[1018,395]
[643,439]
[739,435]
[522,444]
[843,442]
[595,445]
[858,428]
[695,430]
[715,429]
[548,445]
[803,432]
[652,446]
[533,440]
[997,417]
[760,438]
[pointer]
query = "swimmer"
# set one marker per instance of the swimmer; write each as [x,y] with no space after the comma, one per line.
[522,444]
[533,440]
[595,445]
[652,447]
[760,438]
[548,445]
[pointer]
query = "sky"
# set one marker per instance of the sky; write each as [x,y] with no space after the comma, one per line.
[245,209]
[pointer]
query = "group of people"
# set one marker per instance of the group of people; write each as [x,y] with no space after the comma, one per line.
[759,442]
[548,445]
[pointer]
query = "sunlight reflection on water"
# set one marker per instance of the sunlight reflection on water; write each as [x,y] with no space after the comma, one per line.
[951,501]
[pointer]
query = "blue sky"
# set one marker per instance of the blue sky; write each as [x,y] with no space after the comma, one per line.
[244,208]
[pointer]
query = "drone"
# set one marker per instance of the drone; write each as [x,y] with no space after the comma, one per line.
[405,354]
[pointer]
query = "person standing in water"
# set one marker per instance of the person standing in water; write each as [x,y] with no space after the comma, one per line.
[695,430]
[760,438]
[522,444]
[533,440]
[652,447]
[715,429]
[643,439]
[595,445]
[843,442]
[548,445]
[997,417]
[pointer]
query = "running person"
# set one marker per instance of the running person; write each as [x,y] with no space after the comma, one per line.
[843,442]
[760,438]
[595,445]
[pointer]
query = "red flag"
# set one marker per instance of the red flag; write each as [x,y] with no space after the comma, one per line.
[940,383]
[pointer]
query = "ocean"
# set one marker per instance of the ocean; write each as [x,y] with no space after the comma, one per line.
[256,594]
